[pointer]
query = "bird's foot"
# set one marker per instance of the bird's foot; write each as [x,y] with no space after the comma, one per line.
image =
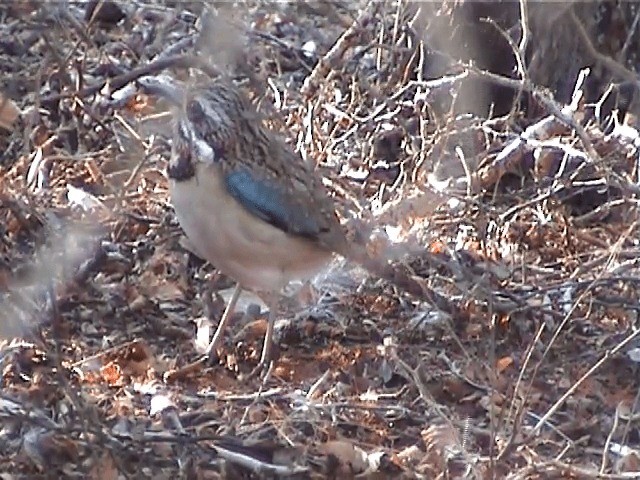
[265,365]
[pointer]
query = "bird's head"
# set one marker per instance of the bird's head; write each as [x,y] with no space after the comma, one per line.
[205,123]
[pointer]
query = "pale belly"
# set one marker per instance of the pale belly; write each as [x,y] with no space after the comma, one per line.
[249,250]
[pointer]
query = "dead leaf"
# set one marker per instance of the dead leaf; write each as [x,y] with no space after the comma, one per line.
[104,469]
[441,441]
[137,360]
[504,363]
[628,463]
[352,459]
[9,112]
[112,374]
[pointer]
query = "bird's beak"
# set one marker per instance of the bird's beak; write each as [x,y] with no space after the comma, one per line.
[164,87]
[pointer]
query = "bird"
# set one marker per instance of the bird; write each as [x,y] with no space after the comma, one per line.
[249,204]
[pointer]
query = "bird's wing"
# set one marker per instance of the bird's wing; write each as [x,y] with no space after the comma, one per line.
[273,183]
[271,202]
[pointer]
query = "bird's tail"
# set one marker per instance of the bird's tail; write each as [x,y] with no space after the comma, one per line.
[395,275]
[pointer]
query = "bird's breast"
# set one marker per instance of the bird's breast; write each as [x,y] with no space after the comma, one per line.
[241,245]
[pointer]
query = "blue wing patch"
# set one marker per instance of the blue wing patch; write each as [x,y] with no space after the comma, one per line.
[268,202]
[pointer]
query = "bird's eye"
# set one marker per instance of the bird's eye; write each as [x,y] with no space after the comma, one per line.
[195,113]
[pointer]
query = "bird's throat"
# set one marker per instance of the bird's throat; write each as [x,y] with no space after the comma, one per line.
[181,166]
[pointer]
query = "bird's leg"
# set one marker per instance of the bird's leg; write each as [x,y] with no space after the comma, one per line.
[224,321]
[265,357]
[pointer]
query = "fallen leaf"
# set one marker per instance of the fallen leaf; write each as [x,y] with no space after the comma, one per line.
[112,374]
[504,363]
[104,468]
[351,458]
[9,112]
